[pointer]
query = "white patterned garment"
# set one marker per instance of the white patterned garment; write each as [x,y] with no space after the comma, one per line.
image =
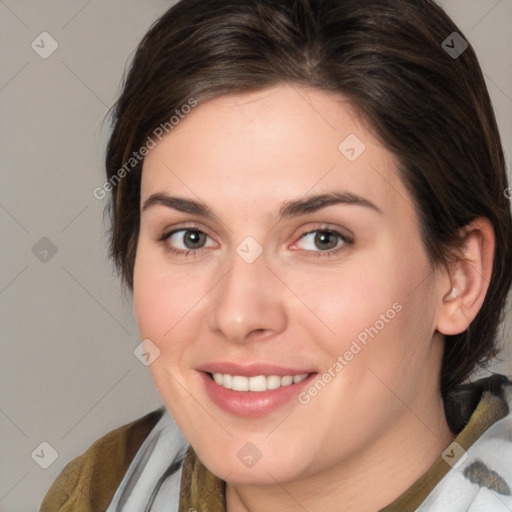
[163,444]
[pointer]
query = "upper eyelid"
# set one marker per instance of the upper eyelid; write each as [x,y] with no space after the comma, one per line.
[188,227]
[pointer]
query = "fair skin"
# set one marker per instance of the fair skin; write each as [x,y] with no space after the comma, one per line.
[379,422]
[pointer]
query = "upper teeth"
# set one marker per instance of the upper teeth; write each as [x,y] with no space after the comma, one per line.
[258,383]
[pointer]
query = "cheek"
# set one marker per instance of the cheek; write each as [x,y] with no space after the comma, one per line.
[162,300]
[343,302]
[156,313]
[162,305]
[373,306]
[148,295]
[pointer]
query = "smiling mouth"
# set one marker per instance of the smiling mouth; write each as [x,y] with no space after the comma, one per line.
[257,383]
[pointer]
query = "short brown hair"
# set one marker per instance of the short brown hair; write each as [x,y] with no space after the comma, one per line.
[430,109]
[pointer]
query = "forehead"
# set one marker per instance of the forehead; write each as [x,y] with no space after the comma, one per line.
[254,148]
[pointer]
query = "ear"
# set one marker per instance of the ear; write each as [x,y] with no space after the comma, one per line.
[464,287]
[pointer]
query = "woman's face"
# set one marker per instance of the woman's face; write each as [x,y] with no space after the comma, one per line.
[293,252]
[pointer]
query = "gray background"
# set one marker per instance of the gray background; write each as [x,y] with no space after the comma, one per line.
[68,372]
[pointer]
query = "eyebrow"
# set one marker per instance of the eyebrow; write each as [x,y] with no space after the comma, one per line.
[291,208]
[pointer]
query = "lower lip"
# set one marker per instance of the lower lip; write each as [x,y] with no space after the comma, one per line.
[252,404]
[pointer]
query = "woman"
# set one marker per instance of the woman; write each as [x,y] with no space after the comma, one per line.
[309,203]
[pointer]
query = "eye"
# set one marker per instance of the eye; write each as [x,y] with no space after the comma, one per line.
[185,241]
[191,241]
[329,241]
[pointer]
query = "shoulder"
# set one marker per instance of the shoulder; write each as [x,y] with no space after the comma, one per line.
[89,481]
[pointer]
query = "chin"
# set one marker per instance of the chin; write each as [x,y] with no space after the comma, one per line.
[265,471]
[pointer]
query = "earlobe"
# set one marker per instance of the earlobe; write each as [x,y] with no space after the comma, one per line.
[463,291]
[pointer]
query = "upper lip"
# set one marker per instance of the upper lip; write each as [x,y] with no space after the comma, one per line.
[251,370]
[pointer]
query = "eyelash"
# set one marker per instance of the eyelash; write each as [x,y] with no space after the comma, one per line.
[346,242]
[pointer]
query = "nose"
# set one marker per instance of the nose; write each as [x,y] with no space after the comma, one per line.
[247,304]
